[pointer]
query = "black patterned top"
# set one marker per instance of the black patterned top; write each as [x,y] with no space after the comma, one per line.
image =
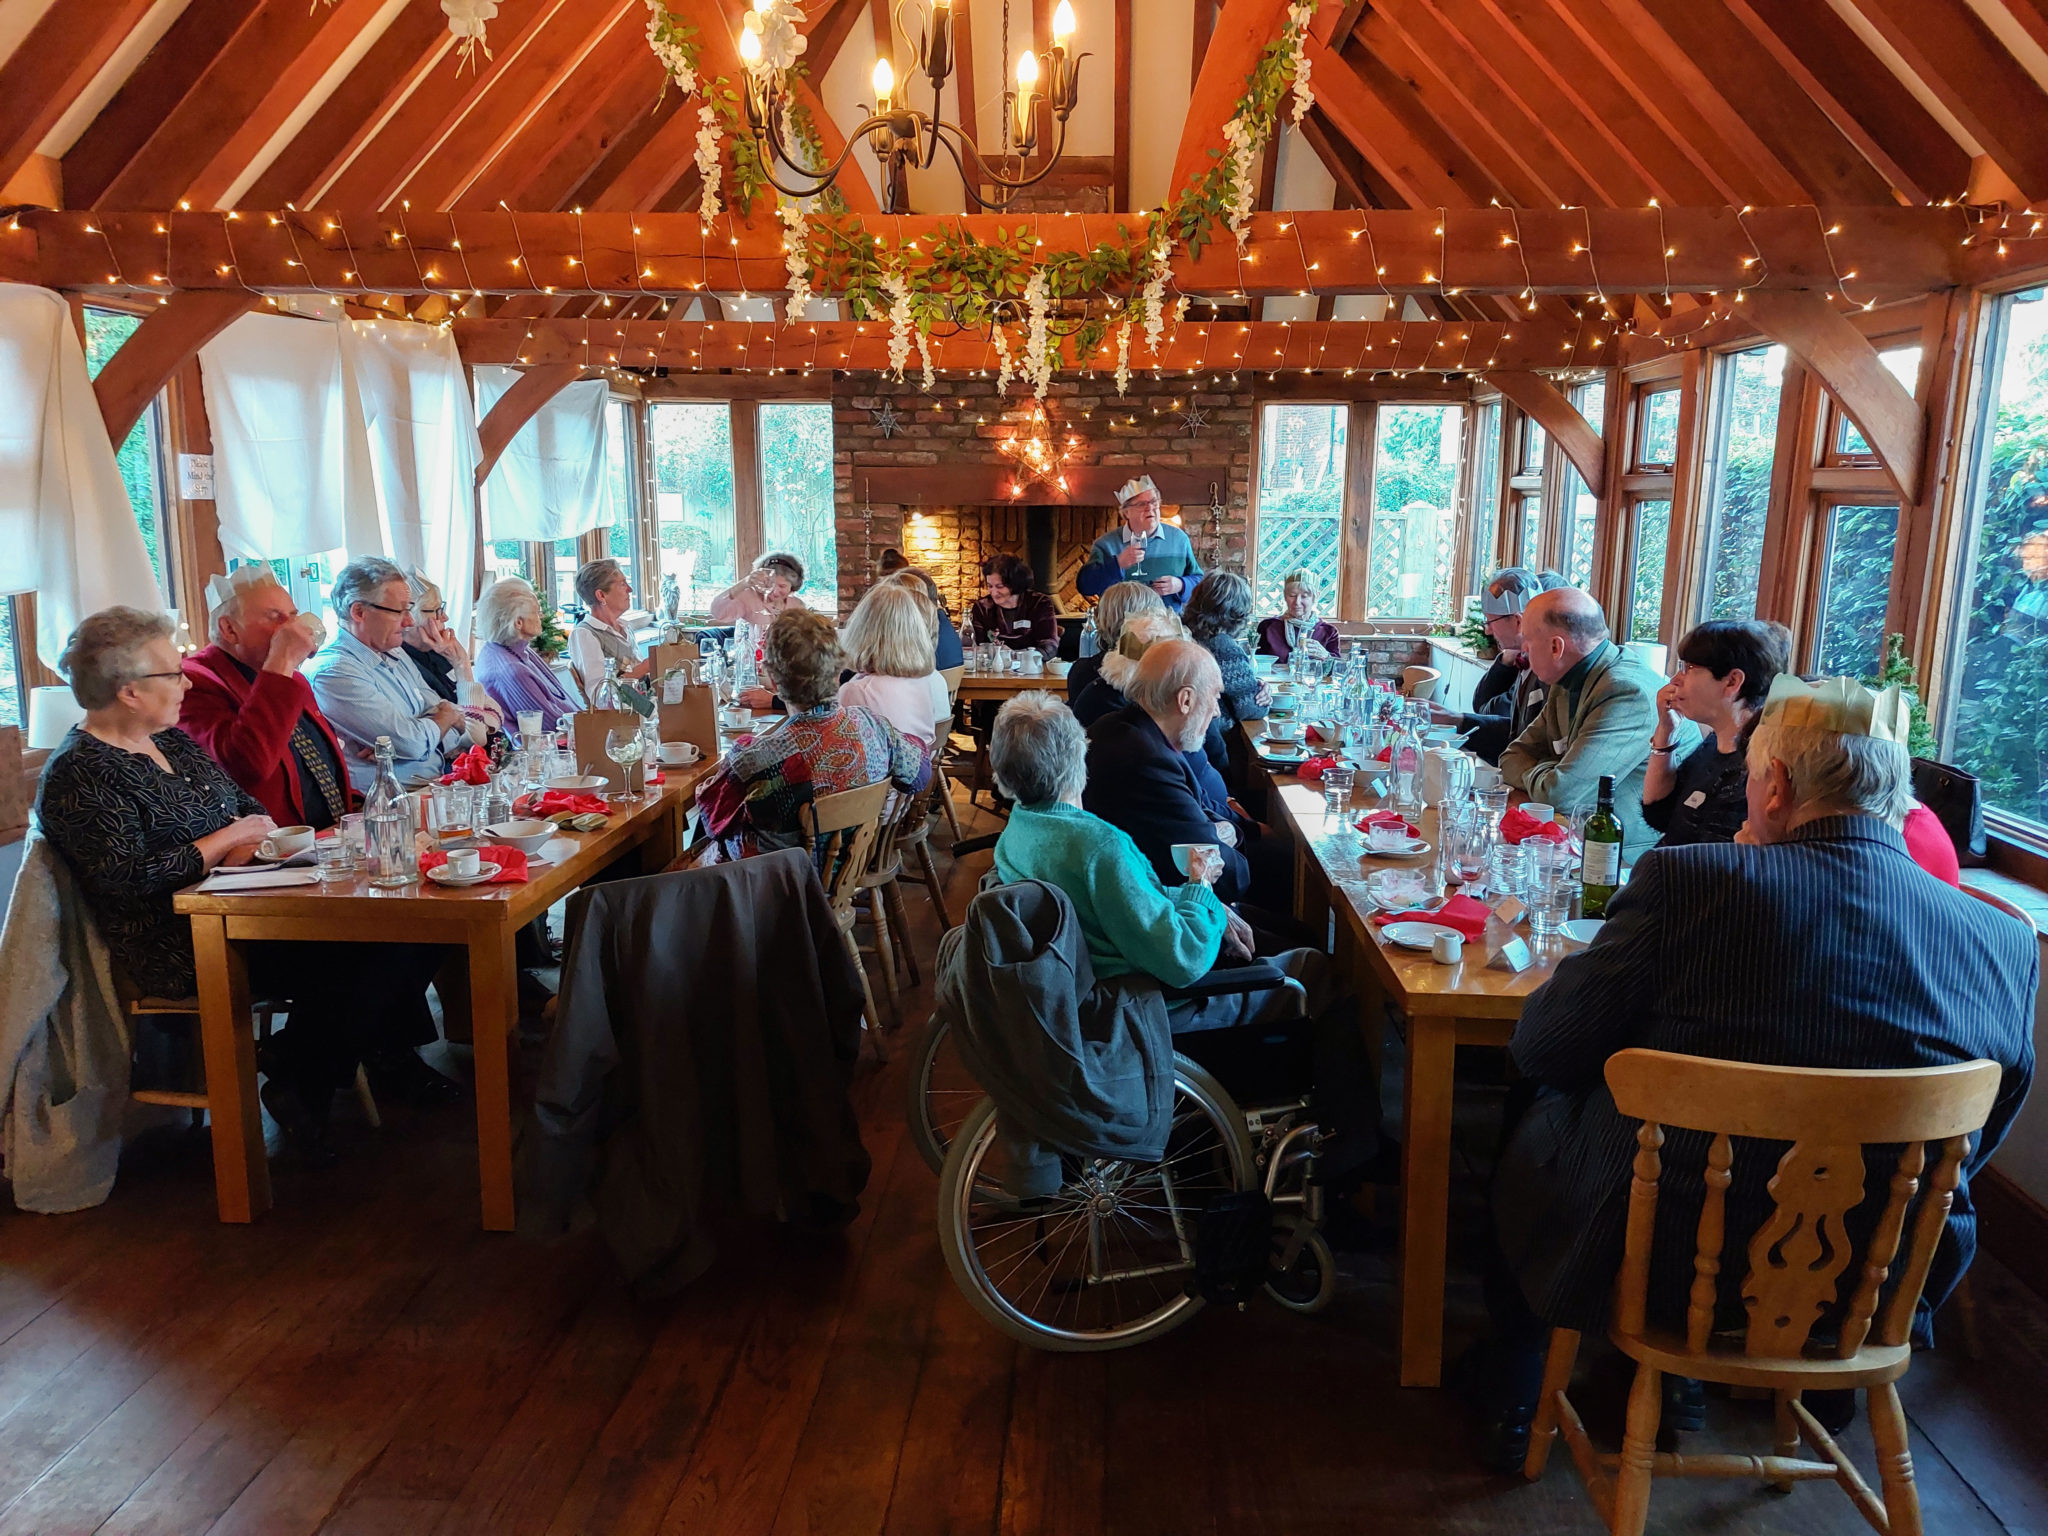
[127,830]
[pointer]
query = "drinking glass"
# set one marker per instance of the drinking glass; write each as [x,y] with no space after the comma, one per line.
[623,747]
[1551,888]
[1469,845]
[1508,869]
[334,861]
[352,837]
[453,810]
[531,722]
[1337,784]
[1493,804]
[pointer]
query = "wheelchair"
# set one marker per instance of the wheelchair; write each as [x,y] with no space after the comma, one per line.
[1109,1260]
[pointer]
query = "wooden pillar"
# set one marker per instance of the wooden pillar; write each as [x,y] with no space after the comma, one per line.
[1354,568]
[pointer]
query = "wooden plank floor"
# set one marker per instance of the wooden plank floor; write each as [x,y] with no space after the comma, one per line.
[365,1361]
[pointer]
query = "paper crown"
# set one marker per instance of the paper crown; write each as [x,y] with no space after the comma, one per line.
[253,573]
[1840,704]
[1140,486]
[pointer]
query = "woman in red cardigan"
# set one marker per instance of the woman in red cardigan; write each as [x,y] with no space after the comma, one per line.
[254,713]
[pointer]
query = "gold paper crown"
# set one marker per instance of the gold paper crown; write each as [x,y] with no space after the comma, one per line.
[1137,486]
[1840,704]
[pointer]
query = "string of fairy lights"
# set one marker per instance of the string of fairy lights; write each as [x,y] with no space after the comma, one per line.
[794,350]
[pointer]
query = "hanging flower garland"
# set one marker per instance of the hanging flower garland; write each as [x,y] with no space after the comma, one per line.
[466,20]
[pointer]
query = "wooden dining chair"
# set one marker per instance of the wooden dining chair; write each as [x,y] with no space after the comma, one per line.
[882,883]
[194,1097]
[944,750]
[1791,1273]
[843,830]
[1421,682]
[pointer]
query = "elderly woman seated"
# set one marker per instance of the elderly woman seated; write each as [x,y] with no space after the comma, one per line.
[763,593]
[138,811]
[1298,628]
[753,801]
[890,643]
[513,673]
[606,593]
[442,658]
[1113,610]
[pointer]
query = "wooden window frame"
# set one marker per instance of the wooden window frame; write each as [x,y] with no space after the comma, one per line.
[1361,422]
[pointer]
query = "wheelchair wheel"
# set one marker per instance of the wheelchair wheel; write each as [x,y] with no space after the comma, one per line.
[1309,1282]
[1104,1262]
[942,1094]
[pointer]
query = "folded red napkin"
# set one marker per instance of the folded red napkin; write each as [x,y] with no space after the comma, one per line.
[554,802]
[1386,755]
[510,861]
[1321,732]
[1373,819]
[1518,826]
[1460,912]
[1313,768]
[472,767]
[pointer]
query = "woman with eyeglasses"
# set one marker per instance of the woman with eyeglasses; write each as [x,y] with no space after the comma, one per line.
[1725,669]
[138,811]
[442,658]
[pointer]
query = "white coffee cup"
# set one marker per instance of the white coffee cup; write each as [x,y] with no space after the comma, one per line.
[1539,810]
[1283,730]
[735,717]
[1385,837]
[1183,856]
[464,863]
[287,842]
[676,754]
[1485,776]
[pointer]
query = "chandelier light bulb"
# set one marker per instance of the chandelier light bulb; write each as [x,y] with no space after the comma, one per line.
[885,83]
[1027,71]
[1062,24]
[750,44]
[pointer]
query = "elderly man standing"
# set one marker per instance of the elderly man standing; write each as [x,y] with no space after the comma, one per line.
[253,711]
[368,687]
[1596,721]
[1142,549]
[1812,941]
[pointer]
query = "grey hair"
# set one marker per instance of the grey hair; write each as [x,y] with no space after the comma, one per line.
[1187,664]
[1837,771]
[1301,576]
[1122,602]
[1523,582]
[789,565]
[1038,750]
[594,576]
[500,606]
[360,581]
[104,654]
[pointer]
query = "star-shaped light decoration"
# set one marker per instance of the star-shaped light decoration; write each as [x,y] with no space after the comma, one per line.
[1194,420]
[886,418]
[1038,456]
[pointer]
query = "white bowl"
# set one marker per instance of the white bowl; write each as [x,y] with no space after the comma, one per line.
[579,783]
[526,834]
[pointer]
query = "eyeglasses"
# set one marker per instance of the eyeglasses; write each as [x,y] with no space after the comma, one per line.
[382,608]
[423,612]
[145,677]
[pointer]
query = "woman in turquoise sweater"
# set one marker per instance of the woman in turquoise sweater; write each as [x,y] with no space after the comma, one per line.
[1130,920]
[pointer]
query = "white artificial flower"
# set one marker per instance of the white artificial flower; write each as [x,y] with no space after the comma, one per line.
[924,356]
[1123,357]
[1037,339]
[796,243]
[707,162]
[669,53]
[466,20]
[1154,297]
[1006,367]
[898,288]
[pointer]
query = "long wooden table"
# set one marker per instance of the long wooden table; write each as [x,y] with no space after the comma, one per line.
[1444,1006]
[1007,685]
[480,919]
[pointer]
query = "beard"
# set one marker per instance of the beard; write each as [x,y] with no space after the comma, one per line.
[1192,735]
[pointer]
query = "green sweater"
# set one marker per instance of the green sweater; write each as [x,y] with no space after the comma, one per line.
[1131,921]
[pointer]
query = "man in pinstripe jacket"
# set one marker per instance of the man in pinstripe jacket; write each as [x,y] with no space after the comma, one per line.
[1812,941]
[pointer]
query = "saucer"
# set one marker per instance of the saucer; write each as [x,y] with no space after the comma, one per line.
[1417,935]
[1408,848]
[441,874]
[303,859]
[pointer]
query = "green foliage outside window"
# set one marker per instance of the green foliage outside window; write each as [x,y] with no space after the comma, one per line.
[1749,385]
[105,330]
[796,493]
[694,540]
[1300,500]
[1862,543]
[1415,473]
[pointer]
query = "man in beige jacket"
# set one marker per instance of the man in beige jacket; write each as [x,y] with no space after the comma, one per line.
[1597,719]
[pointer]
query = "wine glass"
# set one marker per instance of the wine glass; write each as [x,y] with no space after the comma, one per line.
[624,747]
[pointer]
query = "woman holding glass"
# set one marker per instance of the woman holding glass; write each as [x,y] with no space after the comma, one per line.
[139,812]
[441,657]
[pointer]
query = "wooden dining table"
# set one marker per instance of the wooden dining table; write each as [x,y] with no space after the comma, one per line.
[1441,1007]
[479,921]
[1007,685]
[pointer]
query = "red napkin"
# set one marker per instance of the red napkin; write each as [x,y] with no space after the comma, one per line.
[1386,755]
[472,767]
[1384,819]
[1319,733]
[1460,912]
[1518,826]
[555,801]
[1313,768]
[510,861]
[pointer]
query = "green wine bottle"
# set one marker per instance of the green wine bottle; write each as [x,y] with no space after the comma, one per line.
[1600,859]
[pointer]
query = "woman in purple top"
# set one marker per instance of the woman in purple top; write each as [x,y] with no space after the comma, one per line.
[511,670]
[1298,629]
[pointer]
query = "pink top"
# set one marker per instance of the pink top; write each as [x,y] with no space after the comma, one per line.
[1930,846]
[741,601]
[908,703]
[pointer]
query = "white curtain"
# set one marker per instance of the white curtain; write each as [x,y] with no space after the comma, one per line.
[350,435]
[409,407]
[67,531]
[550,482]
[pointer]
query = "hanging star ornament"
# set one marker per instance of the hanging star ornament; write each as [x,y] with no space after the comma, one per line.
[886,418]
[1195,419]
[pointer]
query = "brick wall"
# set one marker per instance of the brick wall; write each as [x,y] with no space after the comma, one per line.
[961,422]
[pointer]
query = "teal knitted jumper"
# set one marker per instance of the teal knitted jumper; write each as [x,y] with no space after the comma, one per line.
[1131,921]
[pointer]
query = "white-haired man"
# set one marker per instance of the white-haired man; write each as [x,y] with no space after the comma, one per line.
[1142,548]
[254,712]
[1813,940]
[368,687]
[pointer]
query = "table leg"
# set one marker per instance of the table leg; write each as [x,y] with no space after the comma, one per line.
[494,1013]
[1425,1196]
[451,984]
[241,1171]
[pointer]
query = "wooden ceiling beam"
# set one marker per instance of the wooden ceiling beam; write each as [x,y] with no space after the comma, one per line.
[1958,57]
[437,106]
[414,43]
[1756,89]
[1242,30]
[144,363]
[1554,411]
[1354,346]
[539,78]
[649,170]
[54,63]
[1890,249]
[1339,159]
[1850,369]
[1416,169]
[516,407]
[1871,106]
[1491,126]
[636,97]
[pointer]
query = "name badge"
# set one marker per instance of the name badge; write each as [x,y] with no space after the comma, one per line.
[1558,744]
[1509,909]
[1513,957]
[1534,696]
[1379,788]
[1696,799]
